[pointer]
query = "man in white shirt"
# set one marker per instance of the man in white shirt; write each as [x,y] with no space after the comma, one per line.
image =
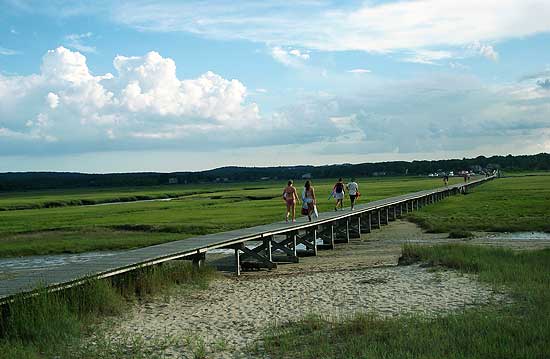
[353,191]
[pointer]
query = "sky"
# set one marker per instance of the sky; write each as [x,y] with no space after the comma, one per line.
[124,86]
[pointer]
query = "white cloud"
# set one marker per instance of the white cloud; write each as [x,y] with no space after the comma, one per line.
[67,103]
[289,57]
[360,71]
[8,52]
[329,26]
[486,51]
[76,41]
[261,90]
[428,57]
[52,100]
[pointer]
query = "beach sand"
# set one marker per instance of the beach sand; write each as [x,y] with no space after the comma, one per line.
[362,276]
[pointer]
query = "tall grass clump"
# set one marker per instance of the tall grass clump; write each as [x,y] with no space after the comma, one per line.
[48,323]
[518,327]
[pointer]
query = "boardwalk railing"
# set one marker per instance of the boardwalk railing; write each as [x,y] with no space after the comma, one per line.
[257,247]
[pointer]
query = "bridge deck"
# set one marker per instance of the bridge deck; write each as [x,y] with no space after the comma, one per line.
[104,266]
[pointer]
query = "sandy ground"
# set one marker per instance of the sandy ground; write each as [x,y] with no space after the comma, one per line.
[358,277]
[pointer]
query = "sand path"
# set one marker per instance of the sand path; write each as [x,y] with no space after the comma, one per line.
[359,277]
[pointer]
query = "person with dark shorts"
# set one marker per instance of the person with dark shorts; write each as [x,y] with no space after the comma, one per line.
[353,191]
[446,180]
[338,194]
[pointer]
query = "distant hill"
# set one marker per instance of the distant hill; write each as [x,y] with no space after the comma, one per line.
[12,181]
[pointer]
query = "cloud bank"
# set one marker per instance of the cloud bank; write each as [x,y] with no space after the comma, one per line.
[66,104]
[143,105]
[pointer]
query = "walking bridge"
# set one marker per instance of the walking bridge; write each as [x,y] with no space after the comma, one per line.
[267,244]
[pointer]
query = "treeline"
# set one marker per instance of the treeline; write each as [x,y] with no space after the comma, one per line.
[40,180]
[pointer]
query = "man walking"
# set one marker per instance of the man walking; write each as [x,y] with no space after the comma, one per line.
[353,191]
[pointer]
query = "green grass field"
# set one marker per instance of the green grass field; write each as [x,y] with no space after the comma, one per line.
[204,209]
[519,203]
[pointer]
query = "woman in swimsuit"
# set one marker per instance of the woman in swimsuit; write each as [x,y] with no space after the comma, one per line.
[290,197]
[308,197]
[338,194]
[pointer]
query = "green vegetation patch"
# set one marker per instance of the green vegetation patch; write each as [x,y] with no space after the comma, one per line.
[519,329]
[206,209]
[511,204]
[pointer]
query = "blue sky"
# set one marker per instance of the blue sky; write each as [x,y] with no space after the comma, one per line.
[112,86]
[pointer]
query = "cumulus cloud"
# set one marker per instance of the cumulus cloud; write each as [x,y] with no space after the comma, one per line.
[289,57]
[52,100]
[486,51]
[144,105]
[65,102]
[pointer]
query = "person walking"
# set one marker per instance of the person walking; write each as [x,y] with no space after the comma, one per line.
[353,191]
[338,194]
[446,180]
[308,199]
[290,197]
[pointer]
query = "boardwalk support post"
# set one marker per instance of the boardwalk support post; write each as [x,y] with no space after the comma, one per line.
[385,218]
[309,240]
[355,227]
[366,222]
[341,232]
[261,255]
[287,246]
[375,219]
[199,259]
[325,232]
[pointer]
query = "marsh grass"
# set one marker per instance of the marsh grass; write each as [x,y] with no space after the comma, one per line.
[205,209]
[51,324]
[511,204]
[518,328]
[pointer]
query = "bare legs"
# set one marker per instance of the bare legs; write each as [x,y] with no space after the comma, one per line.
[291,209]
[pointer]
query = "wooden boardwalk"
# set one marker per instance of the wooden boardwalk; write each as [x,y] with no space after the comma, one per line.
[276,242]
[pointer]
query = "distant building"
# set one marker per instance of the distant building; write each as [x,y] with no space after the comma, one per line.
[173,180]
[378,174]
[264,178]
[306,176]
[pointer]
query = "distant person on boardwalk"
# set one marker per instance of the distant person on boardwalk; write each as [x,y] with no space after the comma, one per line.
[290,197]
[446,180]
[338,194]
[353,191]
[308,199]
[465,177]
